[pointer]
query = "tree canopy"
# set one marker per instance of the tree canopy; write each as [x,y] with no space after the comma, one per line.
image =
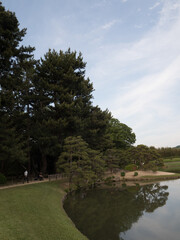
[121,135]
[46,106]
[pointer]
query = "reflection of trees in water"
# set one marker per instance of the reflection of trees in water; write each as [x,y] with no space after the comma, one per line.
[102,214]
[154,196]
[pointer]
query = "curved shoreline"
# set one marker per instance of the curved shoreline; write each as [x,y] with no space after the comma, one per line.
[55,187]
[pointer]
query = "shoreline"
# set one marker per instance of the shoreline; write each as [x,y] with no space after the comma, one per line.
[142,176]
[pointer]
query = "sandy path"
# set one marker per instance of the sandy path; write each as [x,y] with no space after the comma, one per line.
[130,175]
[148,173]
[22,184]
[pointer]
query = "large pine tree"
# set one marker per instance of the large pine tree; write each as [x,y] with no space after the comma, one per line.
[62,100]
[13,59]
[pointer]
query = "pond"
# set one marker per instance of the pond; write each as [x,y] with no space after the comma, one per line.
[150,212]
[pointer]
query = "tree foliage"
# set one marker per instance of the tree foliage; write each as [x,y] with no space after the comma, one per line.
[83,166]
[144,157]
[12,62]
[44,105]
[121,135]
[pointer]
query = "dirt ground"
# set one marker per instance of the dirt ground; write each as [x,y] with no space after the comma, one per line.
[130,175]
[21,184]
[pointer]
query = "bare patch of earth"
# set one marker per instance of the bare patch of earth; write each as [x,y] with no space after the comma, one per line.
[130,175]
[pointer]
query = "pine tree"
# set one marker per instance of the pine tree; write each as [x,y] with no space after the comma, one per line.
[62,96]
[112,159]
[96,130]
[83,165]
[12,61]
[12,147]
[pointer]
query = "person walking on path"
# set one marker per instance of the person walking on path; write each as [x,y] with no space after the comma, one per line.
[26,176]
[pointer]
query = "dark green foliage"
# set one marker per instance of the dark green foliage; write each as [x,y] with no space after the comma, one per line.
[96,129]
[111,158]
[169,152]
[83,165]
[12,146]
[135,174]
[13,65]
[62,101]
[62,105]
[44,102]
[143,155]
[3,179]
[150,166]
[123,174]
[131,167]
[121,135]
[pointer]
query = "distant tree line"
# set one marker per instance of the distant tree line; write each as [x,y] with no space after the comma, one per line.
[47,120]
[168,152]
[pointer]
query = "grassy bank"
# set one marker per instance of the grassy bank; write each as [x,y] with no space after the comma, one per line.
[161,177]
[35,212]
[177,159]
[171,165]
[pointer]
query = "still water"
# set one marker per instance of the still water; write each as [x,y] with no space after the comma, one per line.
[150,212]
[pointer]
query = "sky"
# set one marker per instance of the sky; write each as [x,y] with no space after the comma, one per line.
[132,50]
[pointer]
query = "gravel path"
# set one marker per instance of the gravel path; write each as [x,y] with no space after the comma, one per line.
[22,184]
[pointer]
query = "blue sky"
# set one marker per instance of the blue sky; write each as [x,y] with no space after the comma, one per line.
[132,52]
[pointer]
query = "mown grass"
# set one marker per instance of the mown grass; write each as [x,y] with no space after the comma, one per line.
[171,165]
[35,212]
[174,176]
[171,159]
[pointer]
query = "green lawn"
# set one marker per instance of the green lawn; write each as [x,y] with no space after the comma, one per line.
[152,177]
[171,159]
[35,212]
[172,165]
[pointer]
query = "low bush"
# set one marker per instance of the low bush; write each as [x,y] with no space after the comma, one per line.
[123,174]
[150,166]
[131,167]
[135,174]
[3,179]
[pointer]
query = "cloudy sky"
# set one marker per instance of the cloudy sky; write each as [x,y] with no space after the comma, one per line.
[132,50]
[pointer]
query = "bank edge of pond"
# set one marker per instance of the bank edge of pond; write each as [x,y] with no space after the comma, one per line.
[118,178]
[143,180]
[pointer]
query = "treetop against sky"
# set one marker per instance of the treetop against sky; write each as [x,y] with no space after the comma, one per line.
[132,52]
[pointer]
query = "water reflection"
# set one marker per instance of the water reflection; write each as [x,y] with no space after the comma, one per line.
[106,214]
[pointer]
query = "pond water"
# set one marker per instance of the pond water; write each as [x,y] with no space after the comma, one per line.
[150,212]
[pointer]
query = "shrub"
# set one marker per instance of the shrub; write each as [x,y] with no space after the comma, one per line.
[2,179]
[131,167]
[135,174]
[123,174]
[150,166]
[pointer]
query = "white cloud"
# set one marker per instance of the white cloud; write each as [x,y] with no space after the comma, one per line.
[110,24]
[155,5]
[146,100]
